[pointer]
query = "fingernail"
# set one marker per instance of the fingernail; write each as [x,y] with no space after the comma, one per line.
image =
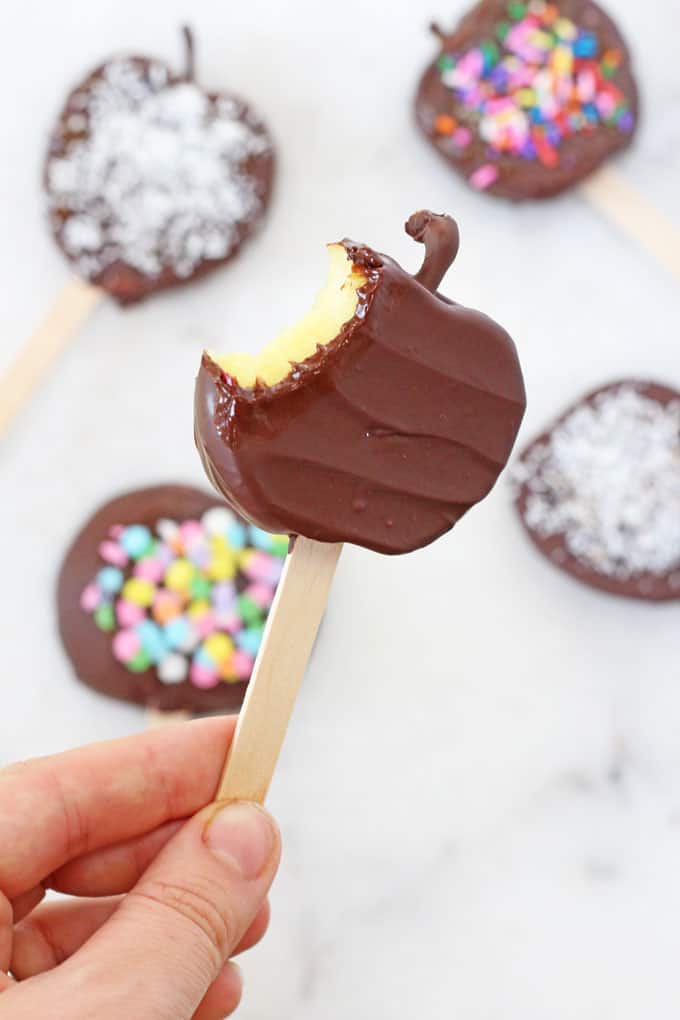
[245,834]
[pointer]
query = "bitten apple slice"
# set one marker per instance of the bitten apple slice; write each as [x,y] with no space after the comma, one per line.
[380,420]
[335,305]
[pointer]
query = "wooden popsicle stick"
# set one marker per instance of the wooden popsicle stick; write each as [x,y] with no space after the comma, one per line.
[635,216]
[71,308]
[155,719]
[287,643]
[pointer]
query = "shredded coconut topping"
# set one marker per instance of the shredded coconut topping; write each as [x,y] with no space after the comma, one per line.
[608,480]
[155,174]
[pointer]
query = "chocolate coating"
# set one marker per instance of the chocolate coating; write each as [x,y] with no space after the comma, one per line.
[88,647]
[520,178]
[389,434]
[190,232]
[639,584]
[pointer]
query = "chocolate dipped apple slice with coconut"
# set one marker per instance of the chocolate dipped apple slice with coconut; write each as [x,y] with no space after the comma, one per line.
[379,420]
[151,182]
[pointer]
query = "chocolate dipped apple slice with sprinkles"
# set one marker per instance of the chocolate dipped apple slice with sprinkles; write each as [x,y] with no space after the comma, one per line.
[526,99]
[380,419]
[162,598]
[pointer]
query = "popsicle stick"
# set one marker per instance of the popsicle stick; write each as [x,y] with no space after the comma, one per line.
[287,643]
[155,719]
[71,308]
[635,216]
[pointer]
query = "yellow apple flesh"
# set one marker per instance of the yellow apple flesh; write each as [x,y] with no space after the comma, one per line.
[335,306]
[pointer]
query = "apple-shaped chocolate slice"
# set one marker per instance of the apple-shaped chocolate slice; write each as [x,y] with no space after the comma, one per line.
[598,492]
[380,419]
[524,99]
[162,598]
[152,181]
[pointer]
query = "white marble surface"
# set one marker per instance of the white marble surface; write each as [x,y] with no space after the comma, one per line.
[480,794]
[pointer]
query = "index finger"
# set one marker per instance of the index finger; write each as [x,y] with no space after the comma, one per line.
[57,808]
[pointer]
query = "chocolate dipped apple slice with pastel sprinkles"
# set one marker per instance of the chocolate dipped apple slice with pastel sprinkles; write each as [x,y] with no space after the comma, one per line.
[380,419]
[151,182]
[162,599]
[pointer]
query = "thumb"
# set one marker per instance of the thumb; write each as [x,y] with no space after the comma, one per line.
[170,937]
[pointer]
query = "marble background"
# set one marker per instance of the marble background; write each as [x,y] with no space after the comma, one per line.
[480,793]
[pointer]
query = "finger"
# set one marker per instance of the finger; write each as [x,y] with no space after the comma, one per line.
[193,906]
[223,996]
[55,809]
[113,869]
[6,922]
[52,934]
[56,931]
[257,930]
[5,982]
[27,902]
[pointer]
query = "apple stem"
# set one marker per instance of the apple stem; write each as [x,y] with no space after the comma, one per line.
[439,32]
[190,54]
[439,234]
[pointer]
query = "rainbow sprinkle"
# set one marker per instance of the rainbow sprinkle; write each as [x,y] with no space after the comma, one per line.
[190,600]
[541,79]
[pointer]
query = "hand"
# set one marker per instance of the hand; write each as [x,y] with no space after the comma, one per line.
[166,896]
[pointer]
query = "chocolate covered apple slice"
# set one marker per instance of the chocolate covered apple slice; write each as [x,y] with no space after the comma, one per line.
[151,182]
[162,599]
[598,492]
[528,98]
[379,420]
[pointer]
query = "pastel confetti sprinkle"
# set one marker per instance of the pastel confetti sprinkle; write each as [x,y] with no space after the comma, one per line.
[218,646]
[249,640]
[150,569]
[128,614]
[125,645]
[261,594]
[152,639]
[189,599]
[135,540]
[177,632]
[203,677]
[113,553]
[104,616]
[540,80]
[484,176]
[90,598]
[242,664]
[166,605]
[110,580]
[206,624]
[178,575]
[139,592]
[173,669]
[140,663]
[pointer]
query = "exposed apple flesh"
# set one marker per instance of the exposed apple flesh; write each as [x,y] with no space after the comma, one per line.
[335,305]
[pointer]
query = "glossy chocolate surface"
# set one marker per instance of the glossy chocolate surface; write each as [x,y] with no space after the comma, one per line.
[389,434]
